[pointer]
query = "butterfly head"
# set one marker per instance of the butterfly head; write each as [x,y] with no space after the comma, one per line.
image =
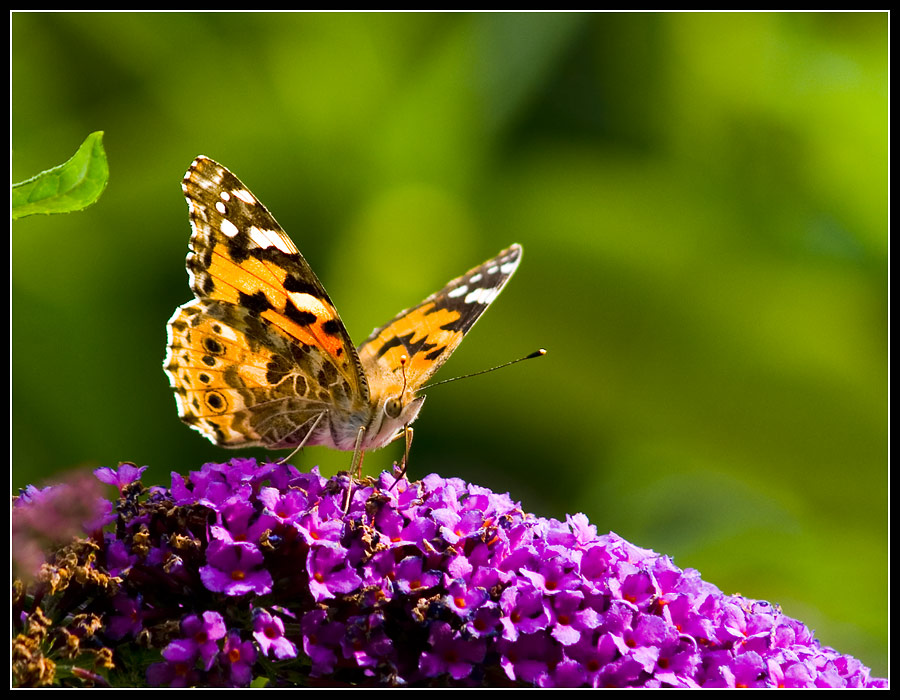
[394,411]
[397,406]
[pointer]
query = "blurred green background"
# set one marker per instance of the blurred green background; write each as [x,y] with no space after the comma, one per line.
[702,200]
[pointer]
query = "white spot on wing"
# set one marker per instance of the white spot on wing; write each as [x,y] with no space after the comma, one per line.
[459,291]
[269,239]
[509,268]
[220,208]
[228,228]
[228,333]
[245,196]
[482,296]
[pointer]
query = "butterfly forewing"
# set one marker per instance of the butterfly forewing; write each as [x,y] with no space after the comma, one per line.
[427,334]
[240,255]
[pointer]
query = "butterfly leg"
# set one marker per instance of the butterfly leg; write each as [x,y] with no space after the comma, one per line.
[356,462]
[407,433]
[358,453]
[305,438]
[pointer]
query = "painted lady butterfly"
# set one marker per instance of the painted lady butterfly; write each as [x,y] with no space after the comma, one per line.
[261,357]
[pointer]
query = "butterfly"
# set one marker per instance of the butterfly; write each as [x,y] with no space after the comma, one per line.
[260,356]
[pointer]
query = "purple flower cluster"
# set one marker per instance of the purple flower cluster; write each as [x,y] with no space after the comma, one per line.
[264,575]
[52,516]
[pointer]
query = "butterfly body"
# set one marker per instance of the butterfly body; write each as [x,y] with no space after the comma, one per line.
[260,356]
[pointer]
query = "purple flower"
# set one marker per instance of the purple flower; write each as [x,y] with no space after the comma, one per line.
[524,611]
[530,658]
[485,621]
[568,620]
[410,575]
[321,640]
[198,645]
[553,575]
[268,630]
[330,572]
[237,658]
[365,641]
[245,571]
[127,619]
[284,507]
[174,674]
[449,653]
[126,474]
[241,523]
[235,569]
[118,559]
[320,524]
[464,600]
[201,635]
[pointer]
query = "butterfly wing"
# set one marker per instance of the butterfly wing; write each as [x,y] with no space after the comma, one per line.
[261,352]
[427,334]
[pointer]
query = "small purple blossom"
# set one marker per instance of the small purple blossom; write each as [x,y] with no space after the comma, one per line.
[268,630]
[188,656]
[174,674]
[241,523]
[235,569]
[126,474]
[410,575]
[464,600]
[450,653]
[322,640]
[330,572]
[318,526]
[245,570]
[524,611]
[237,659]
[201,635]
[127,619]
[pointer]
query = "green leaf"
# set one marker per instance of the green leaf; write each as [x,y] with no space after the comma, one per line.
[72,186]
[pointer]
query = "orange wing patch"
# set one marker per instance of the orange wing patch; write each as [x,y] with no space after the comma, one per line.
[260,287]
[422,335]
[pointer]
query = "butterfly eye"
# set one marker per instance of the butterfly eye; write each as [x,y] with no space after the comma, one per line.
[393,407]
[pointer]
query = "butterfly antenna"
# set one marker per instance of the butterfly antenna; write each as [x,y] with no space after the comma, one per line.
[408,432]
[403,360]
[536,353]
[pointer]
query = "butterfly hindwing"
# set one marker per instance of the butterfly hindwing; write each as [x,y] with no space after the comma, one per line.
[240,385]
